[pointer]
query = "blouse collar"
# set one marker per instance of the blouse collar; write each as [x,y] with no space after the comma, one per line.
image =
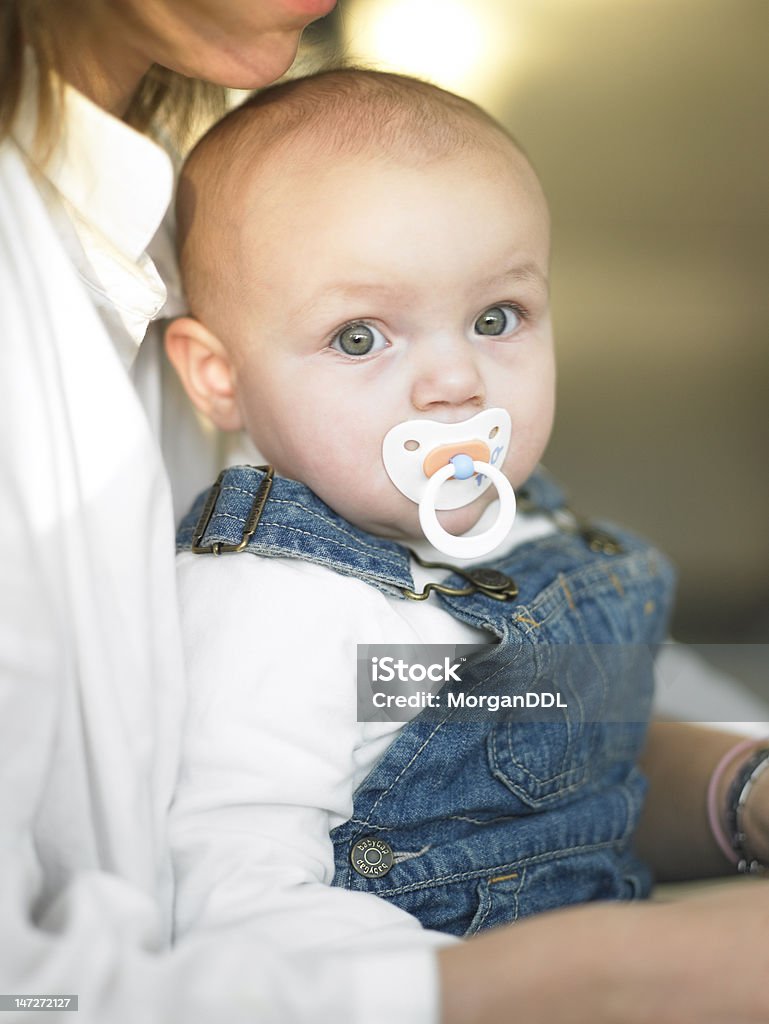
[114,186]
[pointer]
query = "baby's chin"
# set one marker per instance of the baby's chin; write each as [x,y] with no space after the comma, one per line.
[401,523]
[460,520]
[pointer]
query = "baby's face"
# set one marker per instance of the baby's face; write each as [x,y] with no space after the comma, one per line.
[378,292]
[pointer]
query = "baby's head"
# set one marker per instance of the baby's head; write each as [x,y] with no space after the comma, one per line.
[360,249]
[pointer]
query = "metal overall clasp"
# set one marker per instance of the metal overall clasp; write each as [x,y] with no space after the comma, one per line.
[257,507]
[489,582]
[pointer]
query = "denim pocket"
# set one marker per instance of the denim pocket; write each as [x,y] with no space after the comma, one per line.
[545,763]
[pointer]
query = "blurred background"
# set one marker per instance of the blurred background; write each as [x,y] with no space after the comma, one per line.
[647,122]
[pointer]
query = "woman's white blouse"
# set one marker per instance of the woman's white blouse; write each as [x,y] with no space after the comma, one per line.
[91,679]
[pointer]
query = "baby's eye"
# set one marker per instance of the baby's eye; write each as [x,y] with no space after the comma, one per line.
[497,320]
[359,340]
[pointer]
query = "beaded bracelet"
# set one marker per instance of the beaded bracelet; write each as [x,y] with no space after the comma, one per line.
[733,846]
[739,791]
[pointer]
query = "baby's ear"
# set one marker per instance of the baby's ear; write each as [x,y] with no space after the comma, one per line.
[206,371]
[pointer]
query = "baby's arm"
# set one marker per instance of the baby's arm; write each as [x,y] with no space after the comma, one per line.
[269,753]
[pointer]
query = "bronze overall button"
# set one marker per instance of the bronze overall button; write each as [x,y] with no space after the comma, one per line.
[371,858]
[492,581]
[601,542]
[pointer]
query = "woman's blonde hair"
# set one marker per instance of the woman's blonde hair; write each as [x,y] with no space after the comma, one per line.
[165,102]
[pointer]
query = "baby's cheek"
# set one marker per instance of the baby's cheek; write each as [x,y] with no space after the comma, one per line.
[527,447]
[381,509]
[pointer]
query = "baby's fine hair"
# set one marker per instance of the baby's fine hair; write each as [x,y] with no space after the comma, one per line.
[349,109]
[342,111]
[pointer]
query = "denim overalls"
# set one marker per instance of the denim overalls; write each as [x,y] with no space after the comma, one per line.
[487,820]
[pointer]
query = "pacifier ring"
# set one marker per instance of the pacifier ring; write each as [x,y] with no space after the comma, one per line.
[481,543]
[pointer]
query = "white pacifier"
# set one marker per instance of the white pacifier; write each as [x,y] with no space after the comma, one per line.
[420,456]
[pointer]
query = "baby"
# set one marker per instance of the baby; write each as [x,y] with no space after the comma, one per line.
[366,259]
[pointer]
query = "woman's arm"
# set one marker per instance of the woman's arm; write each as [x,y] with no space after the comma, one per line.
[703,961]
[674,835]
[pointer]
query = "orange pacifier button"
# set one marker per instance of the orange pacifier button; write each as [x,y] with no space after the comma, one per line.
[443,454]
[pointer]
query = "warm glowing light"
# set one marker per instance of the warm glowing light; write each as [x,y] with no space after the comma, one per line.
[454,43]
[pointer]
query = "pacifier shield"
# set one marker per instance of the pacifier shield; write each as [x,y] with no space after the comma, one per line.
[407,447]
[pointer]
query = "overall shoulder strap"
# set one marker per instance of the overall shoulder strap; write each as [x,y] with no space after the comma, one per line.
[541,493]
[250,509]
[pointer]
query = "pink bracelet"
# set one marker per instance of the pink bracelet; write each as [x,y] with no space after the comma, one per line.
[714,818]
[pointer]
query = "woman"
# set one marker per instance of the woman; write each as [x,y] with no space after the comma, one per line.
[90,664]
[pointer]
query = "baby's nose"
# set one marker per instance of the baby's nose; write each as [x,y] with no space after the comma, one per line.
[448,374]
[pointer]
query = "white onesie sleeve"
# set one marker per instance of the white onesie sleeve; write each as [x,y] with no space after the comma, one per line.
[272,752]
